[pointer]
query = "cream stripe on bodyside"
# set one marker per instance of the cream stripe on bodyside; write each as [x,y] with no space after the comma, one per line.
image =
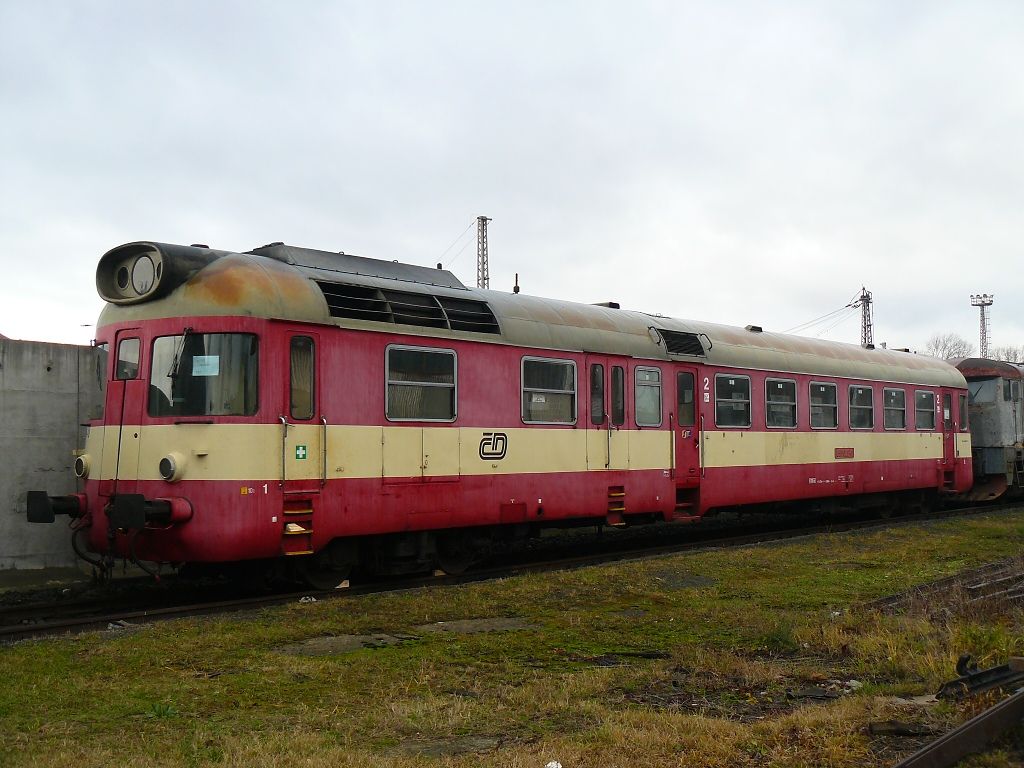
[963,445]
[254,451]
[751,449]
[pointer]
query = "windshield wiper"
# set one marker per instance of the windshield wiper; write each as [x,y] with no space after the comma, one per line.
[176,362]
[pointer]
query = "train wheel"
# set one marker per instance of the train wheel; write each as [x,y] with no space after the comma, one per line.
[329,567]
[457,551]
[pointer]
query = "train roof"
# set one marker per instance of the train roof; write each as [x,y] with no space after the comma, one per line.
[145,280]
[982,368]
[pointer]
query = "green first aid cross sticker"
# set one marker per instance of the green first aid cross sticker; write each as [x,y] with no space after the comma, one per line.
[300,452]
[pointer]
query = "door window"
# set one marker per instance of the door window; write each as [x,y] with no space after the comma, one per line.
[618,396]
[303,377]
[684,405]
[597,414]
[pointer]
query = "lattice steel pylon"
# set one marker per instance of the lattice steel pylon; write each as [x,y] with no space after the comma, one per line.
[982,301]
[867,327]
[483,271]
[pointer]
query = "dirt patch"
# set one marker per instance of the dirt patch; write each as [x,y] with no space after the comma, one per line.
[458,745]
[331,645]
[736,698]
[474,626]
[677,580]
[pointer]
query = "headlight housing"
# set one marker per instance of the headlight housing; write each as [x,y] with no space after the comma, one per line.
[171,467]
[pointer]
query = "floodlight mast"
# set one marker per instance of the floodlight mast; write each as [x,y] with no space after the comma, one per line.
[982,301]
[483,271]
[867,325]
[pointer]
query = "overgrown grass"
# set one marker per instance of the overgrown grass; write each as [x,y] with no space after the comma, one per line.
[620,665]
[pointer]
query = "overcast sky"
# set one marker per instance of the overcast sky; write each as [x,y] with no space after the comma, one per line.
[738,162]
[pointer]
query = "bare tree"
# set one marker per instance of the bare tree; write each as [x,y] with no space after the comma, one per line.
[948,345]
[1009,353]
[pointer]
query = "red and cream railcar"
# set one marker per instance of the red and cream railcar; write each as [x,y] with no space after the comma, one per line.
[328,407]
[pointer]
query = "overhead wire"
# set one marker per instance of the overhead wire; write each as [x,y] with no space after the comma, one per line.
[456,240]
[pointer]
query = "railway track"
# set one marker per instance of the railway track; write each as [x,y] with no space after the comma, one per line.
[35,620]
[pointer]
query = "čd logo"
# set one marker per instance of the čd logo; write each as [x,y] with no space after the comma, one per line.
[493,446]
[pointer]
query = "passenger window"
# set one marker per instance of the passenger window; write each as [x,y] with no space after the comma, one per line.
[127,360]
[824,406]
[684,390]
[894,409]
[303,377]
[732,400]
[963,413]
[780,403]
[597,413]
[421,384]
[862,412]
[618,396]
[924,410]
[549,391]
[647,394]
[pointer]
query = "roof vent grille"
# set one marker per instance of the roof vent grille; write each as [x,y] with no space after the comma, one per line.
[468,315]
[681,343]
[361,302]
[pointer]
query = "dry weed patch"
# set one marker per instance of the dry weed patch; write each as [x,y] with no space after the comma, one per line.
[749,657]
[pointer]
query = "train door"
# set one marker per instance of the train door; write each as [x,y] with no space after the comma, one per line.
[303,427]
[687,434]
[126,399]
[948,431]
[607,441]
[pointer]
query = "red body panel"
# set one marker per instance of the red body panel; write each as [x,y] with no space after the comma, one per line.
[227,525]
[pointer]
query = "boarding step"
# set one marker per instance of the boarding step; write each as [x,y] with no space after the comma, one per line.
[686,504]
[616,516]
[297,527]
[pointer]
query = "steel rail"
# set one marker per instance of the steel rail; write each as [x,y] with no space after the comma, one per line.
[973,736]
[520,566]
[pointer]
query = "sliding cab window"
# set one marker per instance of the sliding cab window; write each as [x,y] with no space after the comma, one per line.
[127,359]
[647,396]
[824,405]
[780,403]
[549,391]
[303,378]
[1011,390]
[924,410]
[862,410]
[205,374]
[421,384]
[894,409]
[732,400]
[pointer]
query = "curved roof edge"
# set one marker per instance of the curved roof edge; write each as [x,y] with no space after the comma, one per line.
[280,282]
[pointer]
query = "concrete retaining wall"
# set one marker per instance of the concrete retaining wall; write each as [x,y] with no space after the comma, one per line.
[46,392]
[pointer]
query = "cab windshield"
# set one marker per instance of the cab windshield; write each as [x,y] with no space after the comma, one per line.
[204,374]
